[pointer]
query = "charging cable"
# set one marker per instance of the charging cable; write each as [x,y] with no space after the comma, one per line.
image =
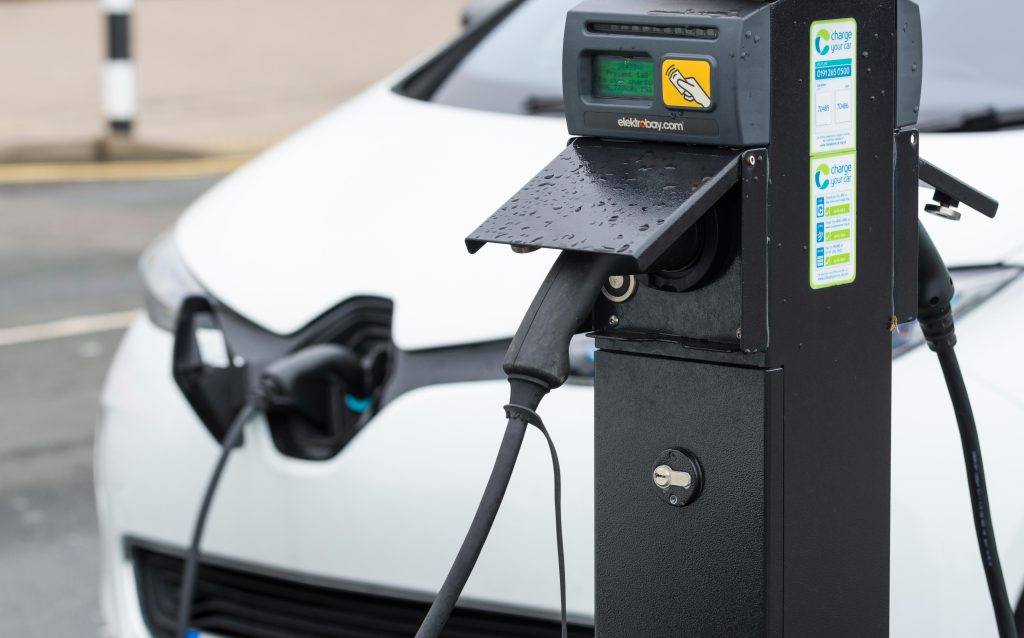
[278,384]
[1020,615]
[536,363]
[935,314]
[534,419]
[188,579]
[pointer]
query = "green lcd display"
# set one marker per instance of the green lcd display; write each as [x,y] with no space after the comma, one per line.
[621,77]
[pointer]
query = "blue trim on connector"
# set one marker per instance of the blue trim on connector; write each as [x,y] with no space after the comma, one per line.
[358,405]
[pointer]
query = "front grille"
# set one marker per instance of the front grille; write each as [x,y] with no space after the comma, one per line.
[238,602]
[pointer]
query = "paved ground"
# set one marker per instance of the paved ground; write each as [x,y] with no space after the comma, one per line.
[217,74]
[66,250]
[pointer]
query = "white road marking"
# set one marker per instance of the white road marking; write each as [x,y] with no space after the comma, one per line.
[71,327]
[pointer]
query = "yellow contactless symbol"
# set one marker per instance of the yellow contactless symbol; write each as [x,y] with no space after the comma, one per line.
[686,83]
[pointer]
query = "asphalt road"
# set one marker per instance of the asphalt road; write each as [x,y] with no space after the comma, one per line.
[66,250]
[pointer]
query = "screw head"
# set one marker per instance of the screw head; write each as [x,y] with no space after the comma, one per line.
[751,159]
[613,321]
[674,500]
[913,139]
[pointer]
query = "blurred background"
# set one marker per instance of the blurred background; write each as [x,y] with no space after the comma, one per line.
[218,80]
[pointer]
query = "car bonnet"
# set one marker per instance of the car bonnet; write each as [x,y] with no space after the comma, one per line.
[376,199]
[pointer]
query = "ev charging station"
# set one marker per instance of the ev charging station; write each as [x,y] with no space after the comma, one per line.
[745,181]
[745,346]
[737,215]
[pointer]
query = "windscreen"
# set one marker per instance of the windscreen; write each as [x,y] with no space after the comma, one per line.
[963,72]
[968,64]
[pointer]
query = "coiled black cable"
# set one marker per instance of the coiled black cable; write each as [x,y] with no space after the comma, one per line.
[1020,615]
[469,552]
[935,315]
[982,511]
[188,582]
[525,397]
[534,419]
[537,362]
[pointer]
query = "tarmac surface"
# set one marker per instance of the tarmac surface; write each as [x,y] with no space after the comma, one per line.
[224,78]
[67,250]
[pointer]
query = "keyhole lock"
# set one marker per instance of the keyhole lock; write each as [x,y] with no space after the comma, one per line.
[677,477]
[665,477]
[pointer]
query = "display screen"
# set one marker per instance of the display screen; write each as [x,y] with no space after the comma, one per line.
[619,77]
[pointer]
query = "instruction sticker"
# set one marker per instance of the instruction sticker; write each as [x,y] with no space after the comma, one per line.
[686,83]
[833,153]
[833,86]
[833,241]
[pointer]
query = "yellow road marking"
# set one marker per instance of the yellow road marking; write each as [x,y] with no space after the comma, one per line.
[121,171]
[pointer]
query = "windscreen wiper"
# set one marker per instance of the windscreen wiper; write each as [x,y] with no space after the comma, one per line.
[980,121]
[542,104]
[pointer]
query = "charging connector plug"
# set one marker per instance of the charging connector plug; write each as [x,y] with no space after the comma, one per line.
[283,379]
[560,310]
[284,383]
[934,296]
[536,363]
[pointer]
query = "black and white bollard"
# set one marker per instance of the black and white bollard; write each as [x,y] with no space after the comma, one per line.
[119,83]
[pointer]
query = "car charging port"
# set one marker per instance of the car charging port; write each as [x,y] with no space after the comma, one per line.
[322,396]
[315,400]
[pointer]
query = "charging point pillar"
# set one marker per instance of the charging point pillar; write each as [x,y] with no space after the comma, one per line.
[789,419]
[764,205]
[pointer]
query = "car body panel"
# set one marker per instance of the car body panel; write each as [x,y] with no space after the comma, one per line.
[358,518]
[389,511]
[377,197]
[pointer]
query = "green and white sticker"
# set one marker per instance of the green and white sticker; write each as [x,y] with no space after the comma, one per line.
[833,86]
[833,153]
[833,238]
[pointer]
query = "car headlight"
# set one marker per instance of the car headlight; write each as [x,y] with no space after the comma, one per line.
[166,280]
[974,286]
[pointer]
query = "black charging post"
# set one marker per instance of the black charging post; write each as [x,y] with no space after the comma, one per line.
[755,165]
[741,201]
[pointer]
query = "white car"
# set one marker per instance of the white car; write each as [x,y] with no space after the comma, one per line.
[372,202]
